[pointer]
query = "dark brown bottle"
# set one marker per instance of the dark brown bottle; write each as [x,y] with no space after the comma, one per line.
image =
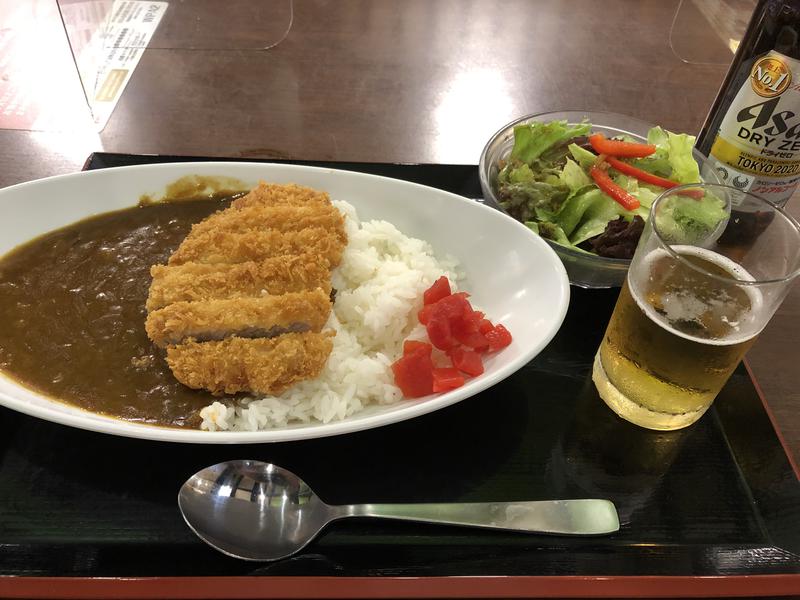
[752,133]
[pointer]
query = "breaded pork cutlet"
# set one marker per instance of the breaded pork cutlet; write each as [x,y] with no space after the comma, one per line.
[242,302]
[214,247]
[262,366]
[270,194]
[191,281]
[266,316]
[280,218]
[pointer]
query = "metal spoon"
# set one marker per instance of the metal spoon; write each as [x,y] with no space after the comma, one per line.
[258,511]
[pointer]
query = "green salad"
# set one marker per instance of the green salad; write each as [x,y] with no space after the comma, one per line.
[568,185]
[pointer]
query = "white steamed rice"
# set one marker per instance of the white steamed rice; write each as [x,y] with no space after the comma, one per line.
[379,286]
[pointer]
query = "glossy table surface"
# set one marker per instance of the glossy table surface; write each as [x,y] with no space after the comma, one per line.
[419,82]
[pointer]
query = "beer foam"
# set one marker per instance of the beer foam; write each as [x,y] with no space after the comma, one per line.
[688,308]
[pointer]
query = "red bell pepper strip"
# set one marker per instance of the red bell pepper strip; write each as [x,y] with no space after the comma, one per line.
[603,145]
[607,185]
[644,176]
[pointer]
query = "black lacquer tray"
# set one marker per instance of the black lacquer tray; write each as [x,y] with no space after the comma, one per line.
[710,510]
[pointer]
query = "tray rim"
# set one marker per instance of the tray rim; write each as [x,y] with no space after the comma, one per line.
[628,586]
[525,586]
[771,415]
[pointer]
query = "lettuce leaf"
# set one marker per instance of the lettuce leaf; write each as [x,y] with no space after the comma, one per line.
[658,137]
[584,157]
[586,213]
[574,209]
[521,174]
[598,212]
[531,140]
[684,166]
[686,220]
[533,199]
[574,177]
[673,157]
[552,232]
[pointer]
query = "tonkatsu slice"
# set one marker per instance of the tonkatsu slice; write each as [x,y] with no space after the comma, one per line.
[221,247]
[265,316]
[262,366]
[192,281]
[280,218]
[272,194]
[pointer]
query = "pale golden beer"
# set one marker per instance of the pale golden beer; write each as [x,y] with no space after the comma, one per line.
[675,337]
[704,281]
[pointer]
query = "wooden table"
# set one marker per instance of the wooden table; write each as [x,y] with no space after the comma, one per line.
[418,81]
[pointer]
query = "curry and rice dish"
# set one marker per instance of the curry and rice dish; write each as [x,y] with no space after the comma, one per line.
[270,308]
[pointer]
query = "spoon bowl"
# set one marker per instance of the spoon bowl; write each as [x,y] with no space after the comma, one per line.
[253,510]
[259,511]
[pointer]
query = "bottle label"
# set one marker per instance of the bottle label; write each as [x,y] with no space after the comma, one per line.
[757,148]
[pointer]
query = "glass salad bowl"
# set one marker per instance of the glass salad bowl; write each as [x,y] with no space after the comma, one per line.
[584,269]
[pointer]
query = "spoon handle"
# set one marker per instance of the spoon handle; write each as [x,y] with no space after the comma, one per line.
[565,517]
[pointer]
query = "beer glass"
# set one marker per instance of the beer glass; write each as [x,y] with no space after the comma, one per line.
[711,267]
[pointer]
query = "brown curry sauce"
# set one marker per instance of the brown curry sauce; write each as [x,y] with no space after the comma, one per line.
[72,305]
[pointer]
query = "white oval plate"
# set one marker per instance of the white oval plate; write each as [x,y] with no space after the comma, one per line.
[510,272]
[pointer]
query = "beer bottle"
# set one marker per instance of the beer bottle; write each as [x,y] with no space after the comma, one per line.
[752,133]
